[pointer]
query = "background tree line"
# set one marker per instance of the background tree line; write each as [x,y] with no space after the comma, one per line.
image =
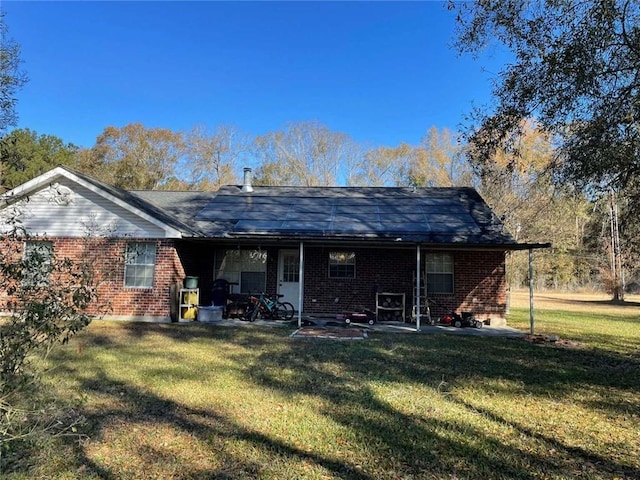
[521,187]
[556,153]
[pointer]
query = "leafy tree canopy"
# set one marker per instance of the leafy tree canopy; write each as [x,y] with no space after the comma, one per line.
[24,155]
[576,69]
[12,77]
[134,157]
[438,161]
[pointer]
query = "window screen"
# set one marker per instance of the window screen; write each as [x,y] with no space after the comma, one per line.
[439,267]
[342,265]
[140,262]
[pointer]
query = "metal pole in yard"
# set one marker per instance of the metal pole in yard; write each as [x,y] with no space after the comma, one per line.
[417,299]
[300,284]
[531,318]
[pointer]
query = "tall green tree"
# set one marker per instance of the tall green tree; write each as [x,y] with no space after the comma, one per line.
[12,77]
[24,155]
[575,68]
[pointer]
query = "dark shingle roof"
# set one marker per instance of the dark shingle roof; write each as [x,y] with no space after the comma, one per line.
[446,216]
[181,206]
[430,215]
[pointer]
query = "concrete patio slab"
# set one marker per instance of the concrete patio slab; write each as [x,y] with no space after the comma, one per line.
[316,323]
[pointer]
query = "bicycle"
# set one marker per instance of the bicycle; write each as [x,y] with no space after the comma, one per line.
[264,306]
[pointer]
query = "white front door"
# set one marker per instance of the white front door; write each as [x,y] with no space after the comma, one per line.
[289,276]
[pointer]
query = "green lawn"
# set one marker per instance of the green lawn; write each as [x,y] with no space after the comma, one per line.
[200,401]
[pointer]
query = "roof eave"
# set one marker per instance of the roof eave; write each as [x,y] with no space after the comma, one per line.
[391,239]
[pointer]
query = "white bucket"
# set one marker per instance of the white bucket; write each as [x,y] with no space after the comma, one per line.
[209,314]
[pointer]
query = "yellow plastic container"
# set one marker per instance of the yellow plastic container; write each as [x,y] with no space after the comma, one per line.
[191,298]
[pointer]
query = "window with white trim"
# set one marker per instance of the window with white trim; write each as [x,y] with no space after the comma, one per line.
[139,265]
[439,269]
[342,264]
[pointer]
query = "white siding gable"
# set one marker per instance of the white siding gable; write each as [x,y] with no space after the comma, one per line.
[66,209]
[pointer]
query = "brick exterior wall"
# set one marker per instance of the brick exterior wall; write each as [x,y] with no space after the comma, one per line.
[479,285]
[479,278]
[377,270]
[142,302]
[107,257]
[479,282]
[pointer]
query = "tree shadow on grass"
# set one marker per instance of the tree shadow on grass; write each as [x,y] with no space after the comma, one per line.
[606,303]
[136,407]
[350,401]
[419,447]
[413,446]
[339,378]
[121,332]
[587,303]
[597,463]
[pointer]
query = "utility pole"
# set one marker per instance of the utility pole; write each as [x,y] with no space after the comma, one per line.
[617,273]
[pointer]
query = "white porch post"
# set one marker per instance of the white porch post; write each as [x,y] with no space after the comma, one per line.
[417,299]
[300,284]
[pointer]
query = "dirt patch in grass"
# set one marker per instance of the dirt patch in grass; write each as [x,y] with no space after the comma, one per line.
[552,340]
[330,333]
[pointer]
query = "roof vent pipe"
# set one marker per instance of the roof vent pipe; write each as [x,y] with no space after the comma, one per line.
[246,184]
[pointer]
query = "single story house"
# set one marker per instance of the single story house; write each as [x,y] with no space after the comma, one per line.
[325,249]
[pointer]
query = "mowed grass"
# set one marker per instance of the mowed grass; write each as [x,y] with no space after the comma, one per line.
[204,401]
[592,319]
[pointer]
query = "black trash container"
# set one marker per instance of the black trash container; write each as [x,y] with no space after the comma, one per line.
[220,292]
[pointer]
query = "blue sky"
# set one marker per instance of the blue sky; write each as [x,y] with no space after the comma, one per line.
[381,72]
